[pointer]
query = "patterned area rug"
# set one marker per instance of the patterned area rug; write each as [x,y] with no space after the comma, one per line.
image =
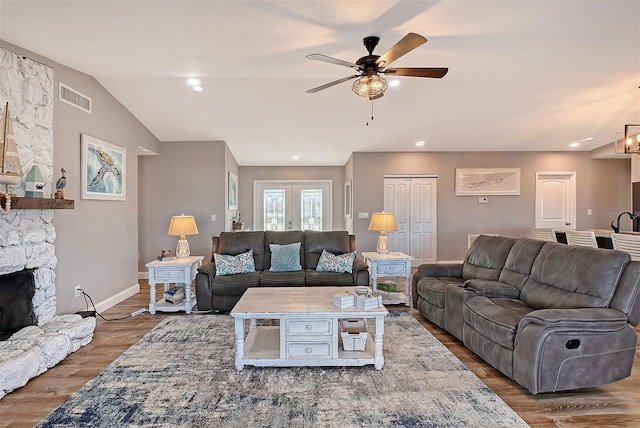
[182,373]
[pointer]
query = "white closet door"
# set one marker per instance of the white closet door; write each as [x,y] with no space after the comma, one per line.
[413,200]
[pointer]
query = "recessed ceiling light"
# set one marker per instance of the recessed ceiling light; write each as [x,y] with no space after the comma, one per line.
[420,143]
[574,144]
[193,82]
[295,157]
[197,88]
[394,83]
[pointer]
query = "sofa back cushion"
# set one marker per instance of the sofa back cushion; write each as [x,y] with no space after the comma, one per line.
[567,276]
[627,296]
[234,243]
[520,261]
[336,242]
[281,238]
[486,257]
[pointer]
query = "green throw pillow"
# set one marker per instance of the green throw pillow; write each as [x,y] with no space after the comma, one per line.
[331,263]
[285,258]
[230,265]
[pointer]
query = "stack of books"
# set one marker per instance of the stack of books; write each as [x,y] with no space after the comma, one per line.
[174,295]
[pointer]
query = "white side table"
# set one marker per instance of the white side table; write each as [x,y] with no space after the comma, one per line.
[390,264]
[179,270]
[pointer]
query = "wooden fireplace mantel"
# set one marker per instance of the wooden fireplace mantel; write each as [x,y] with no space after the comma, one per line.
[18,203]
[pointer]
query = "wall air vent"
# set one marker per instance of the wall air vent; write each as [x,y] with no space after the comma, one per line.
[75,98]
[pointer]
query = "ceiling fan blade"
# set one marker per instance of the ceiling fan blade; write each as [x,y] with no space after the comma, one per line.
[330,84]
[331,60]
[405,45]
[436,73]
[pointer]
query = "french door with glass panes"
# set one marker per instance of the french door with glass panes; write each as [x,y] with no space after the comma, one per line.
[292,205]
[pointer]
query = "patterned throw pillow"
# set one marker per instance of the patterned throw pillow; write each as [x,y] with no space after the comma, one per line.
[332,263]
[230,265]
[285,258]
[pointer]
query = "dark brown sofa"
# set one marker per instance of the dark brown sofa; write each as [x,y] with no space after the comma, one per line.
[221,293]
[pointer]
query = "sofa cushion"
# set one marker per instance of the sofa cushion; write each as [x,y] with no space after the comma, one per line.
[285,258]
[231,265]
[331,263]
[433,289]
[496,319]
[313,277]
[279,279]
[567,276]
[234,285]
[281,238]
[486,257]
[335,242]
[519,262]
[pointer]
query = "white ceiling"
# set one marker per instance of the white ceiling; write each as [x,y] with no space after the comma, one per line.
[523,75]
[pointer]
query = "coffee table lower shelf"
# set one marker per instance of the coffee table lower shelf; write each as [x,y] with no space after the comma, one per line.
[262,349]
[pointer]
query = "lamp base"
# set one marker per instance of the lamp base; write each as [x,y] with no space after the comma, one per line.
[383,243]
[182,250]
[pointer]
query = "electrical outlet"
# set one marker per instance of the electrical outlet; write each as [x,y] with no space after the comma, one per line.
[78,291]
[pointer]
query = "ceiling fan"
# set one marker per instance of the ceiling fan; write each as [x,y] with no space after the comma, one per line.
[370,83]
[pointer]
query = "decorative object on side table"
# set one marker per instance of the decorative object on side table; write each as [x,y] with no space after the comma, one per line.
[61,184]
[182,226]
[383,222]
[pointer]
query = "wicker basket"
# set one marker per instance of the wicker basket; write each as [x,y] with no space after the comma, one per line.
[354,335]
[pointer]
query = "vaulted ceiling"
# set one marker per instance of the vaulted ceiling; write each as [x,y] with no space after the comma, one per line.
[523,75]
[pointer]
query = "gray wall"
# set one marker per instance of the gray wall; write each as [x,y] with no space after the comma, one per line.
[185,178]
[97,242]
[603,185]
[248,174]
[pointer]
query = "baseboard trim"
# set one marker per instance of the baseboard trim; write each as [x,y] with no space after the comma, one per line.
[143,275]
[114,300]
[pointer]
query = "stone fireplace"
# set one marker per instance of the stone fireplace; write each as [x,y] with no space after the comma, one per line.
[27,235]
[26,242]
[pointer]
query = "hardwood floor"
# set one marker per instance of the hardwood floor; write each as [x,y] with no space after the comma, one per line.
[608,406]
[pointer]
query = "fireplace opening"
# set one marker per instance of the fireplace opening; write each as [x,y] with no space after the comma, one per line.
[16,302]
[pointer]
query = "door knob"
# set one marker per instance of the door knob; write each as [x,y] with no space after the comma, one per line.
[567,224]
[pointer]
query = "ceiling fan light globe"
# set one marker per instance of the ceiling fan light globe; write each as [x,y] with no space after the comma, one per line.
[369,86]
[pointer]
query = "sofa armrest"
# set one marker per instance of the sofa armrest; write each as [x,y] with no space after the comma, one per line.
[491,288]
[604,319]
[360,272]
[208,269]
[452,270]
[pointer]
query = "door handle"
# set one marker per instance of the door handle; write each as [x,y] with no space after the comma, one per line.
[567,224]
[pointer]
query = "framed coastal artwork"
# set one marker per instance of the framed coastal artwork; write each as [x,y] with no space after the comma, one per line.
[233,191]
[103,170]
[487,181]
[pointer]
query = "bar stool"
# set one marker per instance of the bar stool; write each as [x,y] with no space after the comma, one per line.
[627,243]
[582,238]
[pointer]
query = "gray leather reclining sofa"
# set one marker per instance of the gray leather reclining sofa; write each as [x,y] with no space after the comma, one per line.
[550,316]
[221,293]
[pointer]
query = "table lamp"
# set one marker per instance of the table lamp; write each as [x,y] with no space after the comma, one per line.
[183,225]
[383,222]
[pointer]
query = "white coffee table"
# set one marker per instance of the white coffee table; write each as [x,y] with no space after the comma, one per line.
[307,334]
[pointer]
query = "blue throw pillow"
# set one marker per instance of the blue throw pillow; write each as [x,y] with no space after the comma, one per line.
[285,258]
[230,265]
[331,263]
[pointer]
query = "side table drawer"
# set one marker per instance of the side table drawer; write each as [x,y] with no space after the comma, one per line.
[308,327]
[308,349]
[169,274]
[391,269]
